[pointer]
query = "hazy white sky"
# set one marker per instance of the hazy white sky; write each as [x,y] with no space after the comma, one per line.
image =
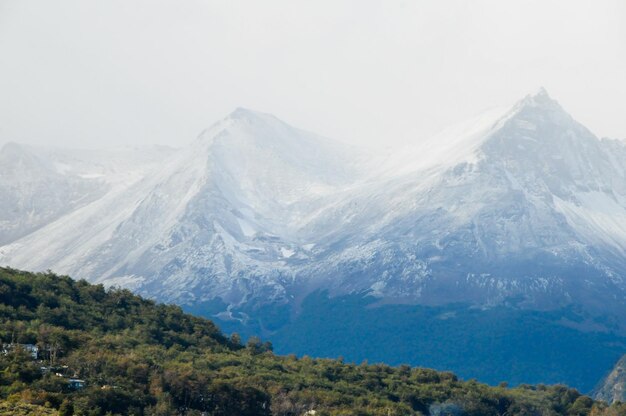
[110,72]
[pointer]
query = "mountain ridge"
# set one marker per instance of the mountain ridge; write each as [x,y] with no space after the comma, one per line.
[271,196]
[520,211]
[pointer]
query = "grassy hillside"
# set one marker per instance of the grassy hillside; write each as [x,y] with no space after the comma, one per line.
[137,357]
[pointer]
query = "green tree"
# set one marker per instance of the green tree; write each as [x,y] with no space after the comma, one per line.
[66,408]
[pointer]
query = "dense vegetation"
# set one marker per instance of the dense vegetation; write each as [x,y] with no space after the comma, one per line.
[142,358]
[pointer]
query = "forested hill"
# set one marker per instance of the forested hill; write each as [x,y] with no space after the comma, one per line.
[69,347]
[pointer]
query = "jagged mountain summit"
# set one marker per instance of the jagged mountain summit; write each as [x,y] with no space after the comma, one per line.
[506,233]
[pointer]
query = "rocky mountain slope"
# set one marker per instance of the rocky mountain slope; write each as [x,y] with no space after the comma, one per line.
[613,388]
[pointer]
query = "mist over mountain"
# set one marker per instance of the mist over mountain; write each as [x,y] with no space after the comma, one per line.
[518,215]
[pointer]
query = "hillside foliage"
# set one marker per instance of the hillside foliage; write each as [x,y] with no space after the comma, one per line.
[137,357]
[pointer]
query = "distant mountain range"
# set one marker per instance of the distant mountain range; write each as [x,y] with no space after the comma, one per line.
[517,215]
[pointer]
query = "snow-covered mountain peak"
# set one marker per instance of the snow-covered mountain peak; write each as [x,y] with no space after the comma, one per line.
[541,101]
[465,141]
[541,94]
[261,149]
[243,127]
[537,127]
[246,114]
[241,116]
[539,97]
